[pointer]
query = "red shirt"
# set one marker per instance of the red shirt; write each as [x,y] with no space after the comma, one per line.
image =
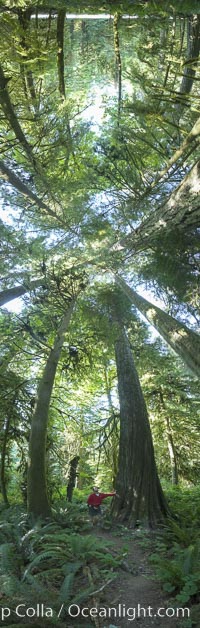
[95,500]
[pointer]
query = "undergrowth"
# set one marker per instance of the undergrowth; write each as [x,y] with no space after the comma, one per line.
[50,563]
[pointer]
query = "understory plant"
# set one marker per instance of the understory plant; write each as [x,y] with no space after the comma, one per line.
[176,556]
[46,564]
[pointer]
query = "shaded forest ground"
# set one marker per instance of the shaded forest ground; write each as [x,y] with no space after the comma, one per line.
[135,583]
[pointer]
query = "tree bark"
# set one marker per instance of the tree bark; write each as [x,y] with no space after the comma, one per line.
[138,485]
[38,503]
[184,341]
[18,291]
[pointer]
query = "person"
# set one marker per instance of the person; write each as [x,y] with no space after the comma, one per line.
[94,503]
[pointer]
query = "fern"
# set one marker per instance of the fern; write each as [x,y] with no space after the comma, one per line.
[55,556]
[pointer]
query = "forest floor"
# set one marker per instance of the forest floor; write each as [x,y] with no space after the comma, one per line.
[135,586]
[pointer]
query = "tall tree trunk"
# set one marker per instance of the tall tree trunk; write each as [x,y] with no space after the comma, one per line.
[18,291]
[38,502]
[138,485]
[61,69]
[184,342]
[60,51]
[193,47]
[181,212]
[172,452]
[20,186]
[24,17]
[118,61]
[3,459]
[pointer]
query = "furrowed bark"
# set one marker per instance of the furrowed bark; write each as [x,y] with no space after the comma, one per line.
[38,503]
[185,342]
[138,485]
[180,212]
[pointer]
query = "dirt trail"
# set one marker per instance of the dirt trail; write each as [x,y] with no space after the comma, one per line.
[136,589]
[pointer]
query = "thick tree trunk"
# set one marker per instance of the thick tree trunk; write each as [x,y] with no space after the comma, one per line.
[72,477]
[18,291]
[184,342]
[60,51]
[38,503]
[138,485]
[181,212]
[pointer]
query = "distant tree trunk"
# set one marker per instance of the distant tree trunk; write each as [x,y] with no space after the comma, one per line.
[138,485]
[61,69]
[72,477]
[185,342]
[18,291]
[11,117]
[27,75]
[170,442]
[3,459]
[60,50]
[38,502]
[118,60]
[172,452]
[8,174]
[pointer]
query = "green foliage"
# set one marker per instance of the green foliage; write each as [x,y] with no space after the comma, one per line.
[48,562]
[177,552]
